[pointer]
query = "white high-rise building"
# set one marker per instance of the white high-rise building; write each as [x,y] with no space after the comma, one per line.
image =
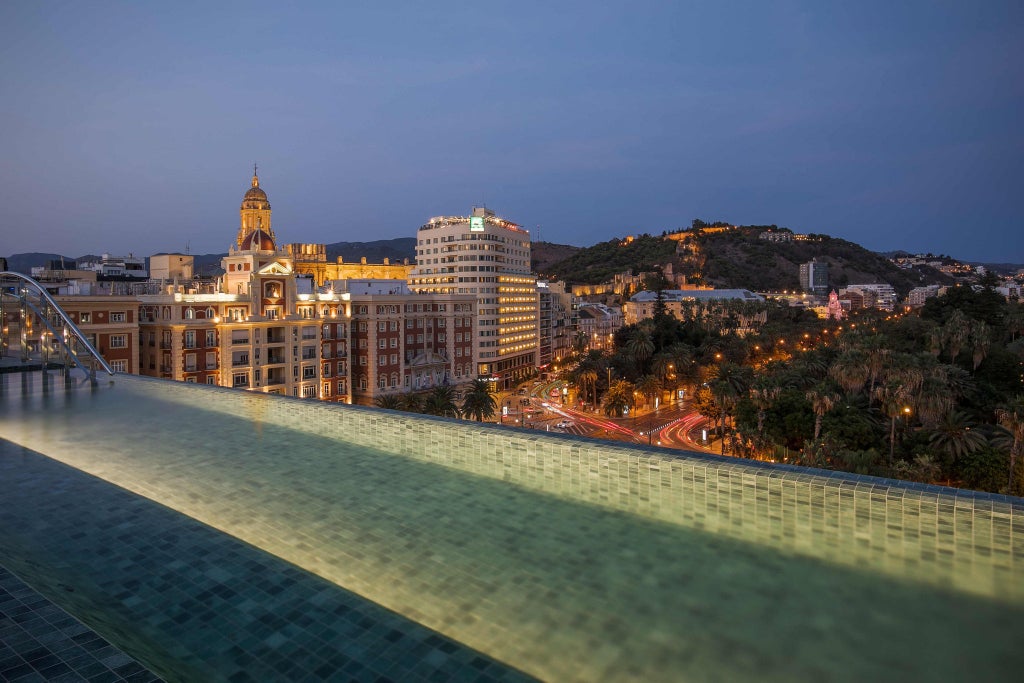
[489,257]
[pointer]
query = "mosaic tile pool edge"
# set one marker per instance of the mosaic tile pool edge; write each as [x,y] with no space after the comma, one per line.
[936,534]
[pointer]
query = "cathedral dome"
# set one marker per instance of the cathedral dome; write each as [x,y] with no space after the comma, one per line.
[255,192]
[258,240]
[255,197]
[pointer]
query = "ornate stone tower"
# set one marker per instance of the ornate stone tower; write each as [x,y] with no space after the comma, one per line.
[255,212]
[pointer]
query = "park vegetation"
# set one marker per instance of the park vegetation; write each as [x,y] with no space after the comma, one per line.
[934,395]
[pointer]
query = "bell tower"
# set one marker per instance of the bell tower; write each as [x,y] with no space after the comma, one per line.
[255,212]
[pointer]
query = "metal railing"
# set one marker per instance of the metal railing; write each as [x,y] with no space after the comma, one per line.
[22,295]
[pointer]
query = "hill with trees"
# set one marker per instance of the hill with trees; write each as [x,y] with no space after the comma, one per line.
[592,265]
[543,255]
[724,256]
[739,258]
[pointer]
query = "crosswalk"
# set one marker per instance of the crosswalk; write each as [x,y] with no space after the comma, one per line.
[573,428]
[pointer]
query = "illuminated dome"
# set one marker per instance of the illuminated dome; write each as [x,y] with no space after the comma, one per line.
[258,240]
[255,197]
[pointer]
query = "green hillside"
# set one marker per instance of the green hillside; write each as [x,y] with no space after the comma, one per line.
[592,265]
[738,258]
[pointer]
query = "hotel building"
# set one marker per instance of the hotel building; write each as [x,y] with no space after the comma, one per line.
[489,258]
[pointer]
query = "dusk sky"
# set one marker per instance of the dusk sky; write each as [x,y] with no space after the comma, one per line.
[133,127]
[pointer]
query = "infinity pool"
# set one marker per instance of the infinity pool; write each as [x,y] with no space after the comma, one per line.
[232,536]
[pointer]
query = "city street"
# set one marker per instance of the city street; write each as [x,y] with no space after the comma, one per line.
[539,405]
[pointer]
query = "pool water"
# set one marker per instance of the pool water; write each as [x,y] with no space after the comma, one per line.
[487,578]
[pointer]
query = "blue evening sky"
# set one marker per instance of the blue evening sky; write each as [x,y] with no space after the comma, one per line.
[133,126]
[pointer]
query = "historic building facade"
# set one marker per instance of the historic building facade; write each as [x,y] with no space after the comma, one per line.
[402,342]
[111,323]
[266,327]
[311,259]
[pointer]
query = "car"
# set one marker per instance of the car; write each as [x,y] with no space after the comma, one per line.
[564,424]
[522,392]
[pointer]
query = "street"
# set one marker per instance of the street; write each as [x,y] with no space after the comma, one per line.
[542,407]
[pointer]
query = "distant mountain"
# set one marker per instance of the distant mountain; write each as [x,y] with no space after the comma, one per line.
[25,262]
[376,251]
[209,264]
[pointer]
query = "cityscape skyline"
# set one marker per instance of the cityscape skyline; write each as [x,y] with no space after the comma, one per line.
[128,127]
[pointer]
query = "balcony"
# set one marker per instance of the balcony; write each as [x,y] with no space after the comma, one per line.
[239,340]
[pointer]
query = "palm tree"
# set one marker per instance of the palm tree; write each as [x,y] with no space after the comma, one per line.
[662,366]
[955,437]
[618,397]
[686,368]
[1014,321]
[956,332]
[586,381]
[850,370]
[649,386]
[823,398]
[763,393]
[479,402]
[411,403]
[981,338]
[737,377]
[935,401]
[389,402]
[730,384]
[909,371]
[441,401]
[892,397]
[877,350]
[1011,418]
[640,347]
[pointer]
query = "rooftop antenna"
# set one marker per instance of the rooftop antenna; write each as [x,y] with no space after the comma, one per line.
[188,247]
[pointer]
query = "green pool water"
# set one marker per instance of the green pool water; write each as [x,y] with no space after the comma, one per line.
[548,586]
